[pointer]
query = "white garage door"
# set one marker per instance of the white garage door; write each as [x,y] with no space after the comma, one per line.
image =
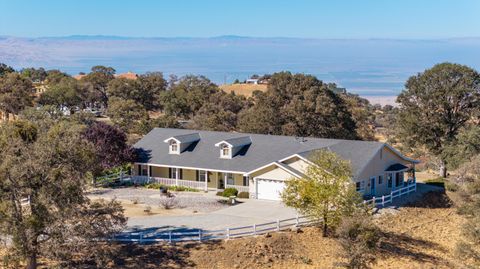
[268,189]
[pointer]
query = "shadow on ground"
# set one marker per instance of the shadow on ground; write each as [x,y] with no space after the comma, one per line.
[403,246]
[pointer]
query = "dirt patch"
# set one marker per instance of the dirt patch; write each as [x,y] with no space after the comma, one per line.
[141,210]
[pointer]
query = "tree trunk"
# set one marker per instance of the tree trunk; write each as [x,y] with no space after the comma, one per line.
[32,261]
[325,226]
[443,169]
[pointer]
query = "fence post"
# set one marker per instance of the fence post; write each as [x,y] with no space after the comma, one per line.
[228,233]
[121,176]
[141,238]
[374,201]
[383,200]
[254,229]
[170,236]
[200,235]
[297,221]
[415,189]
[278,225]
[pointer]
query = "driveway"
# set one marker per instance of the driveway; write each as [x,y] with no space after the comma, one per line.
[247,213]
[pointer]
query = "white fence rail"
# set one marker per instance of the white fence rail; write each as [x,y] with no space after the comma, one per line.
[204,235]
[385,199]
[238,187]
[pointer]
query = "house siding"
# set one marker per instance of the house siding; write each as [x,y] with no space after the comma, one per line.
[376,167]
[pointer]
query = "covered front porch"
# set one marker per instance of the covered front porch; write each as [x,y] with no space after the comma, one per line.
[202,179]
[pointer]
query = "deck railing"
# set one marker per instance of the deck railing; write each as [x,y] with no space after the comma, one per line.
[385,199]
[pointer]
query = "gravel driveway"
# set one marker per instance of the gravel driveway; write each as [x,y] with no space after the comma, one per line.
[194,201]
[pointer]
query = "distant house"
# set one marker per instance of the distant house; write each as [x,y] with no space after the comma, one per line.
[260,164]
[251,81]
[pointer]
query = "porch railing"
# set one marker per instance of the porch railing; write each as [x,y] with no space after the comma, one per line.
[168,182]
[238,187]
[385,199]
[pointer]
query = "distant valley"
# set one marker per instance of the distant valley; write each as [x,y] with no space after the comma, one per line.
[369,67]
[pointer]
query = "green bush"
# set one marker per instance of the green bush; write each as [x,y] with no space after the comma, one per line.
[230,192]
[244,195]
[155,186]
[181,188]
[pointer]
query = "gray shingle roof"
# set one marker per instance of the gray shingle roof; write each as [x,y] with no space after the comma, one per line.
[239,141]
[396,167]
[263,150]
[186,138]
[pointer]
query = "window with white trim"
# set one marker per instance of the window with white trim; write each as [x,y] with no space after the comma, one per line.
[173,147]
[225,151]
[229,179]
[380,180]
[360,185]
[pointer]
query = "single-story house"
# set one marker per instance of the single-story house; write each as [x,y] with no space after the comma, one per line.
[260,164]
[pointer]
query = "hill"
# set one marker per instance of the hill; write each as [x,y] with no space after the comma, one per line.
[243,89]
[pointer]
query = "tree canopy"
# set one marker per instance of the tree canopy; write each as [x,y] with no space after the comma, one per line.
[326,192]
[43,206]
[435,105]
[300,105]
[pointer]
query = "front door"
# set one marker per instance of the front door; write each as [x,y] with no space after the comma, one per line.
[221,181]
[372,186]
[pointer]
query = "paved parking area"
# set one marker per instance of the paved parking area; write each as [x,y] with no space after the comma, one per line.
[247,213]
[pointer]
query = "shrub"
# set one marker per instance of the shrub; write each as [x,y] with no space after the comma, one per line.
[358,237]
[181,188]
[230,192]
[219,193]
[243,194]
[169,202]
[155,186]
[135,201]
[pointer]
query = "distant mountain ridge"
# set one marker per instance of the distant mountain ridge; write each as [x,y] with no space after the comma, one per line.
[377,67]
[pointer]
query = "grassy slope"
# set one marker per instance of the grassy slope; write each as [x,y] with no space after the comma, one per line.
[243,89]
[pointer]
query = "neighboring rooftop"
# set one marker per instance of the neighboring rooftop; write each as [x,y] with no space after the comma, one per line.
[263,150]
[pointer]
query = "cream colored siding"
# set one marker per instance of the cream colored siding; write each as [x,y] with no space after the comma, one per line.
[189,174]
[277,174]
[376,167]
[160,172]
[297,164]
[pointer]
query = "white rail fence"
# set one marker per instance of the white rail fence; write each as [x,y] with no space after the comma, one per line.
[385,199]
[205,235]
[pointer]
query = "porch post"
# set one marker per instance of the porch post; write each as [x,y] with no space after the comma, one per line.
[206,180]
[177,171]
[148,173]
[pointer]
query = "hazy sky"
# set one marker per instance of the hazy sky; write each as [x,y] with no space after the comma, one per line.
[266,18]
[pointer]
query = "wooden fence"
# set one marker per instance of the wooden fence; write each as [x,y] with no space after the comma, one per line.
[204,235]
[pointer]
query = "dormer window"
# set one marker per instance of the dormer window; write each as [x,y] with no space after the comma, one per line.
[225,153]
[173,147]
[179,143]
[229,148]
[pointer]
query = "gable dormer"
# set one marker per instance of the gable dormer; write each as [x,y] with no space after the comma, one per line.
[177,144]
[230,147]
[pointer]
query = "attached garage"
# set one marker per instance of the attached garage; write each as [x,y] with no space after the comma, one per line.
[268,189]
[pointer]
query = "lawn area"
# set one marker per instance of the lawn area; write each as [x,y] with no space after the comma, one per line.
[243,89]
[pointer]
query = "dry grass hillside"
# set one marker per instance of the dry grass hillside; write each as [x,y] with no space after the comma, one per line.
[243,89]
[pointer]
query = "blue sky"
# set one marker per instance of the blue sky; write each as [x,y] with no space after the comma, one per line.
[267,18]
